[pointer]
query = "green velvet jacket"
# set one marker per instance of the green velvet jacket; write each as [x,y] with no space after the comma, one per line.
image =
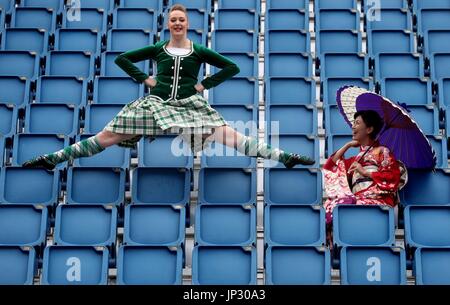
[177,74]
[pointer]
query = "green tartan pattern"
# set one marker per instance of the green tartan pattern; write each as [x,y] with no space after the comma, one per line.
[152,116]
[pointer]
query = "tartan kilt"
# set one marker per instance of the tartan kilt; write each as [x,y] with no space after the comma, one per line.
[150,115]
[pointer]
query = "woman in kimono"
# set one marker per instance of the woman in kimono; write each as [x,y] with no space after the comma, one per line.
[175,104]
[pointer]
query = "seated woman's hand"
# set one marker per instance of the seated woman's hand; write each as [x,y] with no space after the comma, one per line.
[150,82]
[353,143]
[199,88]
[356,166]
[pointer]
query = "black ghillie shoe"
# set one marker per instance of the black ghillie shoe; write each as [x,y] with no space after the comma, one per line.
[295,159]
[41,161]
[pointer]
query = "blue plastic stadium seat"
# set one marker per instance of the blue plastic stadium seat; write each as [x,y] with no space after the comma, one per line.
[33,17]
[433,19]
[23,225]
[431,266]
[29,185]
[154,224]
[297,266]
[236,91]
[444,94]
[149,265]
[128,39]
[307,145]
[363,225]
[247,63]
[85,225]
[337,19]
[198,19]
[19,63]
[287,4]
[338,41]
[388,4]
[426,188]
[227,186]
[440,66]
[135,18]
[18,265]
[330,4]
[223,41]
[156,5]
[412,91]
[95,185]
[70,63]
[8,119]
[28,146]
[161,185]
[6,5]
[101,4]
[439,144]
[98,115]
[373,266]
[287,19]
[2,150]
[331,85]
[109,67]
[61,90]
[294,225]
[196,36]
[296,91]
[398,65]
[59,119]
[225,225]
[390,41]
[77,40]
[85,18]
[420,4]
[164,151]
[18,90]
[116,90]
[32,40]
[427,117]
[334,122]
[55,5]
[247,4]
[288,65]
[238,19]
[343,65]
[389,19]
[214,265]
[75,265]
[2,18]
[275,41]
[335,142]
[197,4]
[282,186]
[436,41]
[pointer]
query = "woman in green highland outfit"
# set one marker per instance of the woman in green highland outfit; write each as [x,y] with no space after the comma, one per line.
[175,104]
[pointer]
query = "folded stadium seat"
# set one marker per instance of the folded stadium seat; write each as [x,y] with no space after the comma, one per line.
[399,65]
[29,185]
[444,93]
[2,150]
[334,142]
[161,185]
[247,63]
[373,266]
[34,17]
[358,225]
[337,19]
[287,4]
[122,40]
[343,65]
[149,265]
[330,86]
[431,266]
[70,63]
[19,63]
[287,19]
[227,186]
[288,65]
[439,144]
[236,91]
[224,265]
[435,41]
[55,5]
[23,225]
[275,41]
[225,225]
[247,4]
[116,90]
[190,4]
[237,19]
[291,90]
[75,265]
[291,120]
[18,265]
[61,119]
[294,225]
[388,4]
[98,115]
[307,145]
[433,19]
[198,19]
[440,66]
[165,151]
[196,36]
[281,186]
[334,122]
[18,90]
[101,4]
[297,265]
[89,18]
[330,4]
[409,90]
[32,40]
[390,41]
[338,41]
[388,19]
[154,224]
[2,18]
[114,156]
[426,188]
[223,41]
[6,5]
[85,225]
[8,119]
[28,146]
[156,5]
[85,40]
[427,117]
[61,90]
[420,4]
[135,18]
[109,68]
[95,185]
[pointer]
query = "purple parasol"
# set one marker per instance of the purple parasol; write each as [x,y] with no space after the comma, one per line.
[400,133]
